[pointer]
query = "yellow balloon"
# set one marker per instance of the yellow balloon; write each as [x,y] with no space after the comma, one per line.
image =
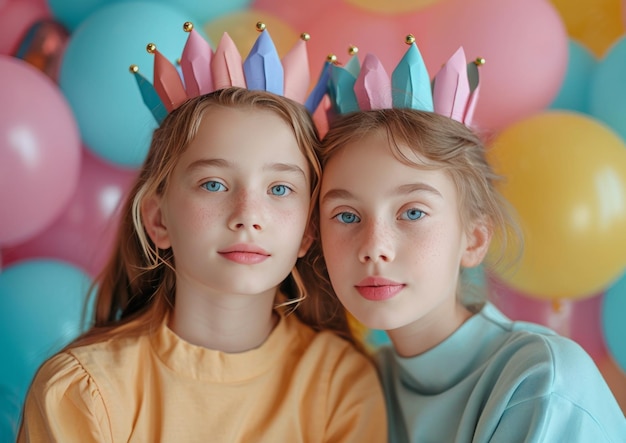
[241,27]
[595,24]
[393,6]
[565,175]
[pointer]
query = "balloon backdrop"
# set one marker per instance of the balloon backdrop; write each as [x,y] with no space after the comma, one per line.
[392,6]
[577,319]
[40,151]
[596,24]
[241,28]
[43,46]
[84,233]
[69,151]
[16,17]
[565,174]
[43,304]
[607,92]
[524,43]
[114,122]
[72,13]
[613,321]
[574,92]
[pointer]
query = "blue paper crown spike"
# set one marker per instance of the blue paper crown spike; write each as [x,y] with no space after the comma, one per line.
[263,68]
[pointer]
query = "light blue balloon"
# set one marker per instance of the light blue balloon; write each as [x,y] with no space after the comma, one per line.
[614,321]
[44,304]
[94,76]
[607,94]
[574,92]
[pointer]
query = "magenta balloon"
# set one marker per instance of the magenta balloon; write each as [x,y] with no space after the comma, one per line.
[40,151]
[83,235]
[524,43]
[580,320]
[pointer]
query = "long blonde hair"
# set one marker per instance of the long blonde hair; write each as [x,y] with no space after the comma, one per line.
[136,289]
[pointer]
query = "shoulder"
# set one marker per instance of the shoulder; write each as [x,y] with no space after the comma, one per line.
[88,368]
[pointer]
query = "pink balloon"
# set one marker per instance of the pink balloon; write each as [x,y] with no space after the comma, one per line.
[345,25]
[40,151]
[579,320]
[85,231]
[525,44]
[16,17]
[299,14]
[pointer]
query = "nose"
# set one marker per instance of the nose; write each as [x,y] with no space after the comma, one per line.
[247,212]
[376,243]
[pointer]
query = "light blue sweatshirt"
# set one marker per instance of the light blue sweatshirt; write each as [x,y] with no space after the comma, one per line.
[495,380]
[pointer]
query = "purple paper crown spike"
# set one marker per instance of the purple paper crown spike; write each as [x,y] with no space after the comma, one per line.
[262,68]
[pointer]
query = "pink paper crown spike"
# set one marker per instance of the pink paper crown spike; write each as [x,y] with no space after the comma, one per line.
[204,71]
[453,91]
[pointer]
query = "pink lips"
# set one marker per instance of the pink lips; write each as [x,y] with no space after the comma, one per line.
[245,254]
[378,288]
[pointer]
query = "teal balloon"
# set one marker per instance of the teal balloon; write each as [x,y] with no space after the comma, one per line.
[44,304]
[72,13]
[94,75]
[10,413]
[607,99]
[574,92]
[614,321]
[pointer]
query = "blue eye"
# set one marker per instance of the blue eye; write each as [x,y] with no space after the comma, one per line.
[412,214]
[213,186]
[280,190]
[347,218]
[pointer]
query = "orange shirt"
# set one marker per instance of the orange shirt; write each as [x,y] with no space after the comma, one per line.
[299,386]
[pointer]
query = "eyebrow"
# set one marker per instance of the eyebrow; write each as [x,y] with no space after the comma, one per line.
[219,162]
[410,188]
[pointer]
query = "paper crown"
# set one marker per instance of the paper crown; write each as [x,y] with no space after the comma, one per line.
[203,70]
[453,91]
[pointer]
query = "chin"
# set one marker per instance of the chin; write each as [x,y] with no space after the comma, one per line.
[377,319]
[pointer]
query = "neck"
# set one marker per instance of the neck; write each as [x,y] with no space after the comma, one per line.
[225,322]
[429,331]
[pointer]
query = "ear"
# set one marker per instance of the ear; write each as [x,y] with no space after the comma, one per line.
[478,241]
[307,240]
[153,222]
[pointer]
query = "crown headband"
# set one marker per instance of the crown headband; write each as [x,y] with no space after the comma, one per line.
[203,70]
[453,91]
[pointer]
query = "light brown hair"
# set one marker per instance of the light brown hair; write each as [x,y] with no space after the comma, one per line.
[435,142]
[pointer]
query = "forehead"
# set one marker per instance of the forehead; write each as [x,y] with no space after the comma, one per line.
[244,135]
[372,163]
